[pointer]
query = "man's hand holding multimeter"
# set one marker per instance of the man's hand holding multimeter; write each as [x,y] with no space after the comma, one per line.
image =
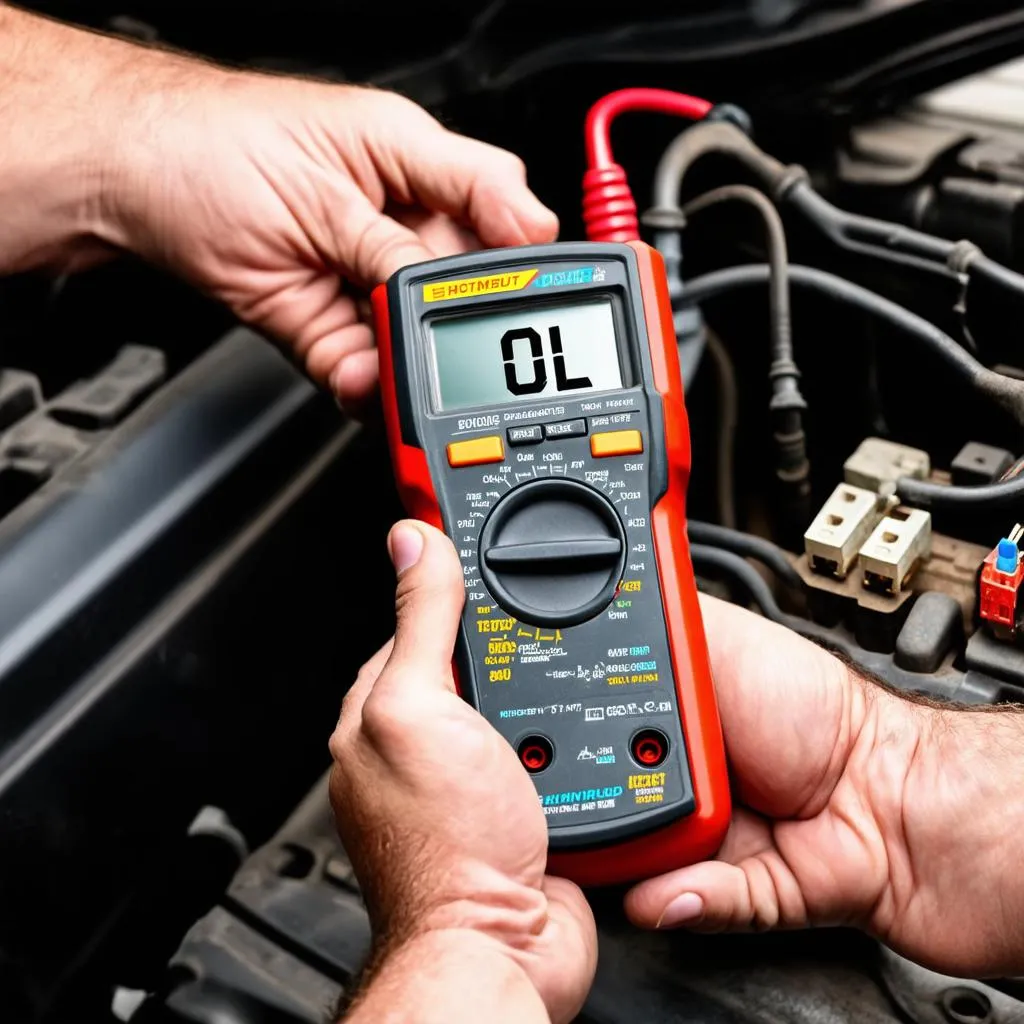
[534,412]
[439,818]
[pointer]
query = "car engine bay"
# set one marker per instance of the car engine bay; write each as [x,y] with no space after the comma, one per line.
[843,227]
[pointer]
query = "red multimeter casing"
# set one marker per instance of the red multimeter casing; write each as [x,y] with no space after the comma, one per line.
[534,412]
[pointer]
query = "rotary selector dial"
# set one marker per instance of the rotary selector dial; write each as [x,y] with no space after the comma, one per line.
[552,552]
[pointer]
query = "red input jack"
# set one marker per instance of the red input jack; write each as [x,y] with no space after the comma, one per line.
[609,209]
[535,753]
[649,748]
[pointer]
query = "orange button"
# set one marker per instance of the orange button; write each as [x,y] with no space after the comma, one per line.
[616,442]
[476,451]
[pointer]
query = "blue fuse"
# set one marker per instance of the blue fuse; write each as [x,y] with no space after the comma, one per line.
[1006,556]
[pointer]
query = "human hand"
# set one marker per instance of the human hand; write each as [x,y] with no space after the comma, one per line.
[854,806]
[443,825]
[285,198]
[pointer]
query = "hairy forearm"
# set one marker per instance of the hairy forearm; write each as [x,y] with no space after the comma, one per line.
[970,768]
[954,817]
[56,133]
[448,977]
[75,111]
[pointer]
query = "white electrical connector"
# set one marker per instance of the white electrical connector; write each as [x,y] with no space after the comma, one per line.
[898,544]
[840,528]
[877,464]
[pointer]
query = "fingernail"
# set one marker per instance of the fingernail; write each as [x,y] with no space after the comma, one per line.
[682,910]
[406,547]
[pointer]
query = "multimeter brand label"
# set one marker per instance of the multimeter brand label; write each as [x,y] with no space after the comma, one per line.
[512,281]
[464,287]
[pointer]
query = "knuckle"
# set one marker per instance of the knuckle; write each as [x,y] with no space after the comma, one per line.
[396,101]
[388,718]
[337,746]
[402,114]
[513,165]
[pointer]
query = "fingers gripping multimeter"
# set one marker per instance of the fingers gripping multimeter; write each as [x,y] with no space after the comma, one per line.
[535,413]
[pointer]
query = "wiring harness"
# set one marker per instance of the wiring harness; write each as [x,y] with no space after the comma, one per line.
[719,550]
[609,212]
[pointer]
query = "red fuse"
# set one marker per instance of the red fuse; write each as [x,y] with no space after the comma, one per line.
[1001,576]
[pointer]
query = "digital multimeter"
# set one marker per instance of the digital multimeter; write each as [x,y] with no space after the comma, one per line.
[535,413]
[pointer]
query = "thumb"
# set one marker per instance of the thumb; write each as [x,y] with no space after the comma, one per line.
[708,897]
[428,599]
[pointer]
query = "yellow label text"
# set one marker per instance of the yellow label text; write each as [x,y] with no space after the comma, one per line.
[464,287]
[644,781]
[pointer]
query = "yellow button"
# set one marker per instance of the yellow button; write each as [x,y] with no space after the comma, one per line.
[616,442]
[476,451]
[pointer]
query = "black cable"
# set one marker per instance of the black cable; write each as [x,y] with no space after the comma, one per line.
[987,269]
[778,260]
[869,236]
[787,404]
[1006,392]
[739,570]
[928,494]
[699,140]
[747,545]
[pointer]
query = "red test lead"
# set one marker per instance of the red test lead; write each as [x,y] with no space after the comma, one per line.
[609,210]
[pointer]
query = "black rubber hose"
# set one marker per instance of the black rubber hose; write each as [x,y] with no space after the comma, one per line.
[869,234]
[984,268]
[789,185]
[746,545]
[778,260]
[787,405]
[739,570]
[895,243]
[927,494]
[1006,392]
[710,137]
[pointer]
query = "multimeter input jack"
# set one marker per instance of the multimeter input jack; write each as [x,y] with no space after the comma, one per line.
[535,753]
[649,748]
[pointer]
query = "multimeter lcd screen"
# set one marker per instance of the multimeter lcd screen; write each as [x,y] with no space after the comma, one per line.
[527,354]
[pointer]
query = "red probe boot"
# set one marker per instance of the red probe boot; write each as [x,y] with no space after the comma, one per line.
[609,210]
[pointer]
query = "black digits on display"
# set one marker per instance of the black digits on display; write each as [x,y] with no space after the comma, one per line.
[540,374]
